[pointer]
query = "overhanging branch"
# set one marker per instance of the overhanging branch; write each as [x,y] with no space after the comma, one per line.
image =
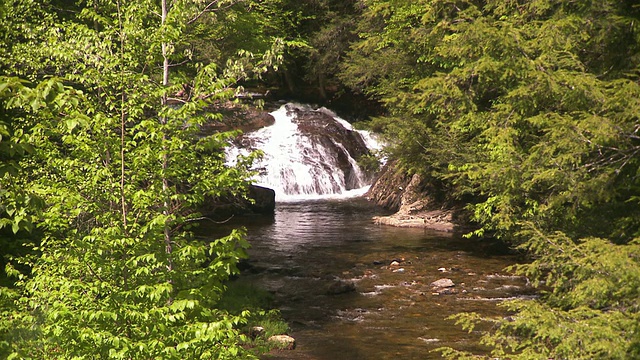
[209,8]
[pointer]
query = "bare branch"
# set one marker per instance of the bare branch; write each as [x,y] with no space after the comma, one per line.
[180,63]
[209,8]
[217,222]
[176,100]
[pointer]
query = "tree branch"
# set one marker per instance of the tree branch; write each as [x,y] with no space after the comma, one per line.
[208,8]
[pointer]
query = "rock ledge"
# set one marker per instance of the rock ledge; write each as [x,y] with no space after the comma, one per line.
[396,191]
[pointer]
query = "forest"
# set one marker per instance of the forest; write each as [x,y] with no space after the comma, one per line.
[525,111]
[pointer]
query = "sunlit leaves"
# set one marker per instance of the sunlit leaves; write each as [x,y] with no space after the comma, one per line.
[112,178]
[527,112]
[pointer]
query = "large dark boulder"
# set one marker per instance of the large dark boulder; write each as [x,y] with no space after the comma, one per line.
[321,127]
[263,202]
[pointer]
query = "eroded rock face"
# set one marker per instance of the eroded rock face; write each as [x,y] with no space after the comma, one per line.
[389,187]
[396,190]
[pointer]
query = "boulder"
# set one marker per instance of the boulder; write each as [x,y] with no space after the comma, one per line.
[221,208]
[265,200]
[285,342]
[443,283]
[341,287]
[256,331]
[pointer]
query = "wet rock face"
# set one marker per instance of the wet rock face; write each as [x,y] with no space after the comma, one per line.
[322,128]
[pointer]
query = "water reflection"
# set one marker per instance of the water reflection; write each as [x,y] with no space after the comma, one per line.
[309,247]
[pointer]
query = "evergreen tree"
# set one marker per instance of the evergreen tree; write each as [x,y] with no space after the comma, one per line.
[528,112]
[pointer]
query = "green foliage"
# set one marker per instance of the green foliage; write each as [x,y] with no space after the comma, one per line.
[241,296]
[369,163]
[527,111]
[112,169]
[589,309]
[490,100]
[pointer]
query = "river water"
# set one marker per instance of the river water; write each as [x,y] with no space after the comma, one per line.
[309,250]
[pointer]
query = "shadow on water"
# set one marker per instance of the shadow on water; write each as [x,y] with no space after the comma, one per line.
[332,274]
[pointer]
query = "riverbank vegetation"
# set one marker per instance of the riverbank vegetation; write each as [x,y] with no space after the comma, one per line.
[527,111]
[104,168]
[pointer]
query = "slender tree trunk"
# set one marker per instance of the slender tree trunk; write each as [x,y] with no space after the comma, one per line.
[123,127]
[165,158]
[289,81]
[321,85]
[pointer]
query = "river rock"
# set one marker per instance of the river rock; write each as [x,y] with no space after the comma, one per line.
[265,200]
[445,291]
[285,342]
[443,283]
[341,287]
[256,331]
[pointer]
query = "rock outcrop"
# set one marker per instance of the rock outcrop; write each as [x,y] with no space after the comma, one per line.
[238,117]
[406,194]
[320,126]
[264,203]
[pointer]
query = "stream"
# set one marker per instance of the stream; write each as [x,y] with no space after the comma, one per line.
[350,289]
[309,250]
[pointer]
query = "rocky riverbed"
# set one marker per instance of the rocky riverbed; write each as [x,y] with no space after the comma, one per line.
[351,289]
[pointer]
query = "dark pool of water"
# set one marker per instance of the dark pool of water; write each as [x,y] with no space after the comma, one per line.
[307,249]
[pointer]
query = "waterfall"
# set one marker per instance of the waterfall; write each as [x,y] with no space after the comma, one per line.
[309,154]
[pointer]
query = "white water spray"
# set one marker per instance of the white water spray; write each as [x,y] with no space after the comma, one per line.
[299,168]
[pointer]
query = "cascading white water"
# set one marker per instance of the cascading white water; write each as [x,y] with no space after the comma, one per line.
[298,166]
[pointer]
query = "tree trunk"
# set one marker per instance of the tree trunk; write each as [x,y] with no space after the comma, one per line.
[165,159]
[321,83]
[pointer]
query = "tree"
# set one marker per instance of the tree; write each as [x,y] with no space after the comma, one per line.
[122,167]
[527,111]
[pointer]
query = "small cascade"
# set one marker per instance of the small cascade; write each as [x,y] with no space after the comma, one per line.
[309,154]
